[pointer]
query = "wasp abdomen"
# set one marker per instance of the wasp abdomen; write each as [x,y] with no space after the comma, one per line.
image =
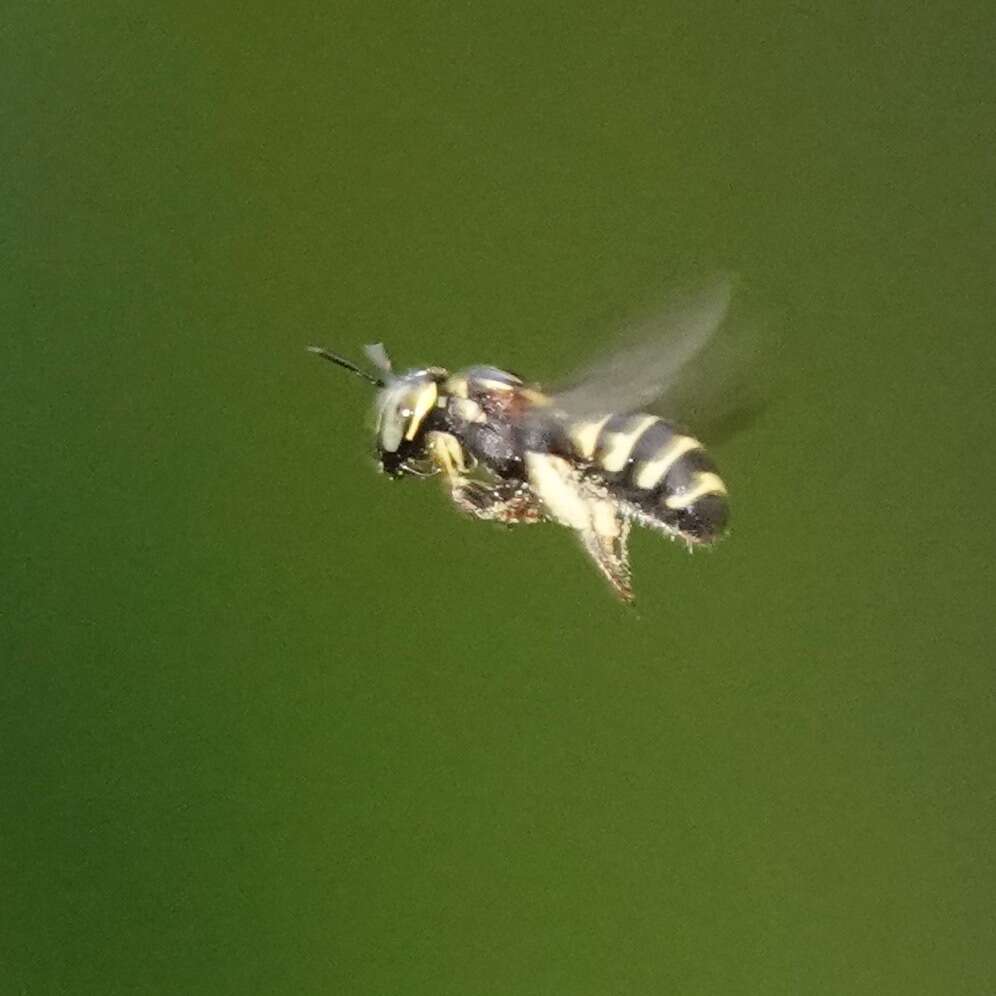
[663,473]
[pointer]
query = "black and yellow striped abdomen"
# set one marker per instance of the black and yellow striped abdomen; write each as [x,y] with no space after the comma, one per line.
[664,475]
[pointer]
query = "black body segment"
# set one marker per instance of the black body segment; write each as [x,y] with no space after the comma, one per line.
[705,520]
[493,444]
[653,441]
[686,471]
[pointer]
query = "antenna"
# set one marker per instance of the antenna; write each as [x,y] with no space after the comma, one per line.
[343,362]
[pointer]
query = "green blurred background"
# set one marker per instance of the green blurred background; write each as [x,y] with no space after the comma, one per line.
[274,725]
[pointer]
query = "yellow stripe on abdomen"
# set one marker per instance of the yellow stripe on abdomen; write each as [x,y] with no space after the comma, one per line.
[614,448]
[652,472]
[706,483]
[584,436]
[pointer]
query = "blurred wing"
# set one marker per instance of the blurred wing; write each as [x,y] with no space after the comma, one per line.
[648,369]
[676,365]
[728,384]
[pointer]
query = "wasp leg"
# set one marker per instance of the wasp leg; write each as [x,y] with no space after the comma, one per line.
[446,453]
[508,503]
[605,543]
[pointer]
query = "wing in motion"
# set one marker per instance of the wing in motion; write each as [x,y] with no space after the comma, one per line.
[652,365]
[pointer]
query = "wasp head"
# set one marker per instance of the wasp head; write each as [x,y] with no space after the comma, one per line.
[406,406]
[406,411]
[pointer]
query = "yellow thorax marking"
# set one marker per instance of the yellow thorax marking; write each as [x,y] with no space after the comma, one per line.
[423,405]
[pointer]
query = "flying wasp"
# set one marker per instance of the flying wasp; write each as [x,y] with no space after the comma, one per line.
[590,456]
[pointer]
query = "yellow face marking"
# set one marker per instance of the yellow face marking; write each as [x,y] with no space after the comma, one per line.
[653,471]
[423,405]
[457,386]
[617,446]
[584,435]
[707,483]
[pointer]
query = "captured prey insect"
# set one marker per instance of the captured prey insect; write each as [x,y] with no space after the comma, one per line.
[590,457]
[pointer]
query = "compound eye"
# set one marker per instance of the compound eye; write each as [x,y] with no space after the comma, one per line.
[392,431]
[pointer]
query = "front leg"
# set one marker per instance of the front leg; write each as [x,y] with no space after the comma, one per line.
[508,502]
